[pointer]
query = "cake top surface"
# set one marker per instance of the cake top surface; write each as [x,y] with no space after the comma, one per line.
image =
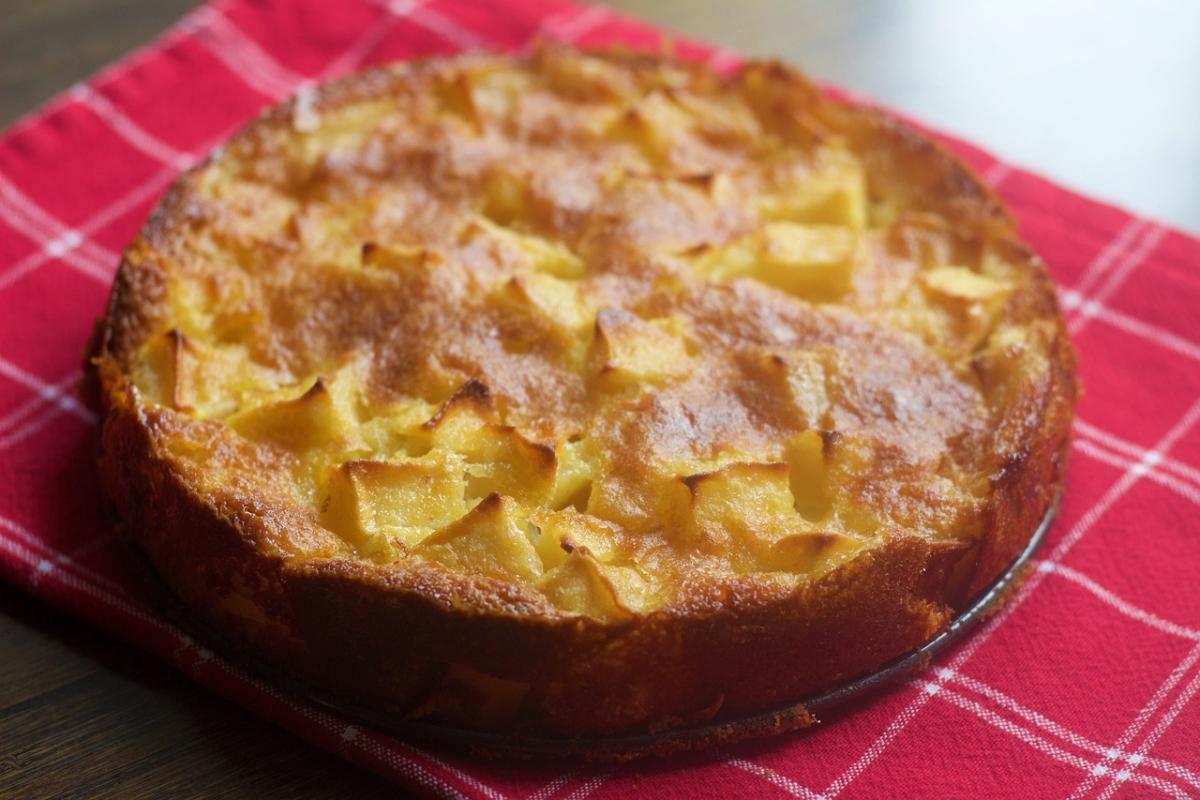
[592,324]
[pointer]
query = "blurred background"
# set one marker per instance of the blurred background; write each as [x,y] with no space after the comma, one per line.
[1103,95]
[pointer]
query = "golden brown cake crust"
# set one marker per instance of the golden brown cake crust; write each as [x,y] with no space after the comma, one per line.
[712,392]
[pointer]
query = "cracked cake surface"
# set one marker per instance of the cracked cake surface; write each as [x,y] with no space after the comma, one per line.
[580,391]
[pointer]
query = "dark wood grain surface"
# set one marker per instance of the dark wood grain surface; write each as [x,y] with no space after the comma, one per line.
[82,715]
[1103,95]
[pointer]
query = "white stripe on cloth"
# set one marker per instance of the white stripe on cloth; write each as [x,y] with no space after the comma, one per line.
[107,214]
[52,560]
[1185,489]
[253,66]
[55,396]
[1082,742]
[50,392]
[773,777]
[552,788]
[570,25]
[23,432]
[995,174]
[353,57]
[40,399]
[723,60]
[129,130]
[1040,743]
[57,239]
[588,786]
[1171,465]
[1090,306]
[434,22]
[1140,721]
[1096,310]
[1120,604]
[1164,723]
[1096,268]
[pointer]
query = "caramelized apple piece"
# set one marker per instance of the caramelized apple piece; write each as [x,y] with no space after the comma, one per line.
[490,540]
[323,418]
[497,457]
[808,476]
[833,191]
[739,505]
[372,503]
[583,585]
[628,350]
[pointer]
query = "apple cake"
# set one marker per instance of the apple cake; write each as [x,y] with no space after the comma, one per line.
[579,393]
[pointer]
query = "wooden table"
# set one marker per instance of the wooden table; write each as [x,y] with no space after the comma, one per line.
[1104,96]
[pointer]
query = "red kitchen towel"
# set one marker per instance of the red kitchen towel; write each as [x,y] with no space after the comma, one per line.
[1083,686]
